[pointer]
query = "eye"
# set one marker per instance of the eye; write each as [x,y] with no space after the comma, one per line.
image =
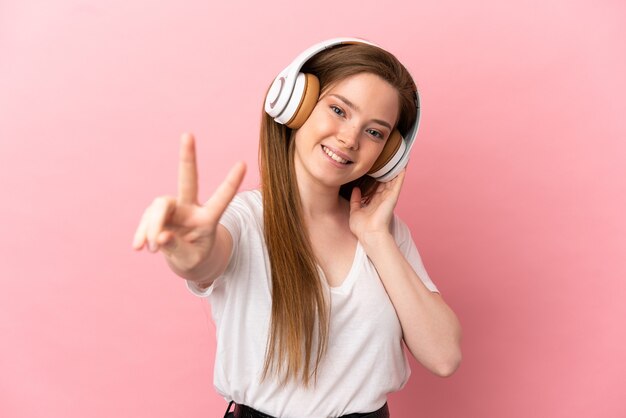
[337,110]
[375,133]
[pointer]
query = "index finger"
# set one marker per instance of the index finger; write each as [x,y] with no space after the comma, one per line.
[187,170]
[226,191]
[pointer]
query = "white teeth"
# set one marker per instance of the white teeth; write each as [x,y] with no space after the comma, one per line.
[334,156]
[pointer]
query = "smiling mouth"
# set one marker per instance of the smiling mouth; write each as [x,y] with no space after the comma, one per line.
[335,157]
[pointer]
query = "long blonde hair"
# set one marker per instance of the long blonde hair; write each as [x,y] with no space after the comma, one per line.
[300,304]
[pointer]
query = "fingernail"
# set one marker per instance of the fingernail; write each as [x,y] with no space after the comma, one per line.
[151,246]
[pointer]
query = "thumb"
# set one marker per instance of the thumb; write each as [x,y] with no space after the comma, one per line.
[167,242]
[355,199]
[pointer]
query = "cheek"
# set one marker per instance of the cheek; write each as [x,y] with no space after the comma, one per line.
[373,151]
[319,123]
[313,130]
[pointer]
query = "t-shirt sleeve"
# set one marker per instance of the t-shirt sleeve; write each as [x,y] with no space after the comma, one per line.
[402,235]
[232,219]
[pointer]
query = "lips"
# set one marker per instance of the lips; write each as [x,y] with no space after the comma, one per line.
[336,155]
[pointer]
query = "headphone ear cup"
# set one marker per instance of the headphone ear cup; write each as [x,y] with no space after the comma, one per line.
[308,101]
[392,146]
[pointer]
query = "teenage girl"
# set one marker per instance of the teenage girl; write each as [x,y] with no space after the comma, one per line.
[312,280]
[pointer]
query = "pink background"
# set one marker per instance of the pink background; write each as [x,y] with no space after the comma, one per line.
[516,193]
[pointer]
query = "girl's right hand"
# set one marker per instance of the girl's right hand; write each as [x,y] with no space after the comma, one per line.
[182,229]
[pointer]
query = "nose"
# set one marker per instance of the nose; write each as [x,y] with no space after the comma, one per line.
[349,136]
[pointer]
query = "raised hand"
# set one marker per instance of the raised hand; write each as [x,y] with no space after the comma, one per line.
[182,229]
[372,219]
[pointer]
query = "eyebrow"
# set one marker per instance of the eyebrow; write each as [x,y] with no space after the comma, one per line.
[357,109]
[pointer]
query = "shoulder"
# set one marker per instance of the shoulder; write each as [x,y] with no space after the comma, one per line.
[247,200]
[251,197]
[246,207]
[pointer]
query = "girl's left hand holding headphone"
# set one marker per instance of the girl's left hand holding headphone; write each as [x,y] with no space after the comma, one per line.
[368,221]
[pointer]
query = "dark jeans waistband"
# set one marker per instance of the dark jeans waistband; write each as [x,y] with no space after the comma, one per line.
[243,411]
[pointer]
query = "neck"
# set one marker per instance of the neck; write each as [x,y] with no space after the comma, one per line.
[319,200]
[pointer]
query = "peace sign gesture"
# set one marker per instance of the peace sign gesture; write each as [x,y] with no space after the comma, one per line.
[187,233]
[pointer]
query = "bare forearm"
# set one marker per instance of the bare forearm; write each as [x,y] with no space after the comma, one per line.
[431,330]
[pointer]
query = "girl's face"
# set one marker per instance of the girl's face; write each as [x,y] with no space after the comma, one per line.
[347,130]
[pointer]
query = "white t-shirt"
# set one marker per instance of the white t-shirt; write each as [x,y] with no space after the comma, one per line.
[365,359]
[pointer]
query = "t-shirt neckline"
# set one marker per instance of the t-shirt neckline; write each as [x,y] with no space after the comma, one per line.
[347,282]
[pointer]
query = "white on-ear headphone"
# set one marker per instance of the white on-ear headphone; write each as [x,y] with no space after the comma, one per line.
[293,95]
